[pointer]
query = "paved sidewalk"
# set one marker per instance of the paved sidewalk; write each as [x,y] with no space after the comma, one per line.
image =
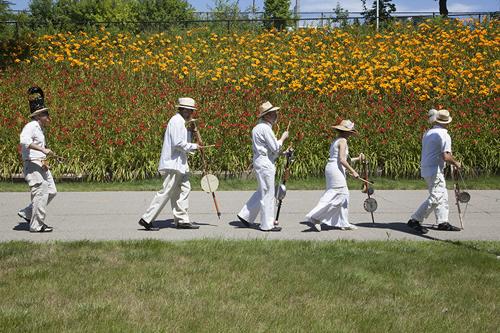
[114,216]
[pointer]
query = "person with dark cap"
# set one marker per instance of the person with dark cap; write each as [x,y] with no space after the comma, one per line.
[36,171]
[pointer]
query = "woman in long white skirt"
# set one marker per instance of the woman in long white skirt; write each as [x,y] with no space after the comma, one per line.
[332,208]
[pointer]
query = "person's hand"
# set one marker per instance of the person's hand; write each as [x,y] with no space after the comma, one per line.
[458,165]
[284,136]
[362,157]
[355,174]
[207,146]
[47,151]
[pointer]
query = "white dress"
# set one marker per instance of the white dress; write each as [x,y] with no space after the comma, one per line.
[332,208]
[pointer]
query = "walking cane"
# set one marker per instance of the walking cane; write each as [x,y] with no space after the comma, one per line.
[209,182]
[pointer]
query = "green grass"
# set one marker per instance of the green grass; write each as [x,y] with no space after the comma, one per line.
[249,286]
[235,184]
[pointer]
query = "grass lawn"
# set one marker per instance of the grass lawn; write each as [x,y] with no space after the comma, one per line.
[234,184]
[249,286]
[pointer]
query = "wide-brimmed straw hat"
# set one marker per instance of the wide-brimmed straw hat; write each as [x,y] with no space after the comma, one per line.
[186,103]
[346,126]
[36,100]
[443,117]
[265,108]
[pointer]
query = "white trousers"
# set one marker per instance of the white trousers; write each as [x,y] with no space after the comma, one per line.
[262,201]
[43,190]
[176,188]
[436,202]
[332,208]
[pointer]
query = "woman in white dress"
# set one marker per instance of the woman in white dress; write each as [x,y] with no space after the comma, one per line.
[332,208]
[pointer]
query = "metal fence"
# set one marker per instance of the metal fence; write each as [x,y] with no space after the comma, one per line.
[244,20]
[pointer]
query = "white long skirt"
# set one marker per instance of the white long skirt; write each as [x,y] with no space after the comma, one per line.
[332,208]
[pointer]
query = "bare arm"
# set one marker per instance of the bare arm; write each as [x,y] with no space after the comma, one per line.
[448,158]
[343,158]
[361,157]
[34,146]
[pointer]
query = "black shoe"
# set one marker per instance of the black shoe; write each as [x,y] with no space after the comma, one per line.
[245,222]
[44,228]
[415,225]
[445,226]
[148,226]
[276,228]
[187,226]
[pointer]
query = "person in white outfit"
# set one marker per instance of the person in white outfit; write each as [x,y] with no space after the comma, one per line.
[332,208]
[436,152]
[174,169]
[34,153]
[266,149]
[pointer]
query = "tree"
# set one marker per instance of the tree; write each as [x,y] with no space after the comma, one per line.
[165,10]
[443,9]
[386,8]
[278,11]
[341,15]
[4,13]
[4,8]
[224,10]
[70,13]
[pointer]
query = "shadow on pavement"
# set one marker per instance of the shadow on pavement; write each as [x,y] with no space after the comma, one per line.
[170,223]
[239,225]
[22,226]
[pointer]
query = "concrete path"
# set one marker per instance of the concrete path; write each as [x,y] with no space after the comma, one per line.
[114,216]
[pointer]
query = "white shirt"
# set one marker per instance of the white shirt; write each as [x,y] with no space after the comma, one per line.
[334,170]
[176,146]
[32,133]
[435,142]
[264,143]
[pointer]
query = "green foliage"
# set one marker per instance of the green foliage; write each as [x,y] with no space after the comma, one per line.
[225,10]
[278,11]
[386,8]
[341,15]
[165,10]
[72,14]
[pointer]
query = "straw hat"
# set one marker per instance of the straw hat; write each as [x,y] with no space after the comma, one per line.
[265,108]
[186,103]
[443,117]
[36,101]
[346,126]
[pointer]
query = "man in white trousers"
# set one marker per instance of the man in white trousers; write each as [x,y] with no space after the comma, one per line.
[266,149]
[36,172]
[174,170]
[436,152]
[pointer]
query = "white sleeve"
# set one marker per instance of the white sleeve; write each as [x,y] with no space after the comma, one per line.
[446,144]
[273,144]
[26,137]
[178,135]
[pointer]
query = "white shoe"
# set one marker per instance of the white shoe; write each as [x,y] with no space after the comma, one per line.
[351,227]
[22,215]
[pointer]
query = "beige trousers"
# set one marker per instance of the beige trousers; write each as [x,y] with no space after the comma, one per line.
[176,188]
[43,190]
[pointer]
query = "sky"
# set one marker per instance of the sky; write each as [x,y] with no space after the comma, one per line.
[351,5]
